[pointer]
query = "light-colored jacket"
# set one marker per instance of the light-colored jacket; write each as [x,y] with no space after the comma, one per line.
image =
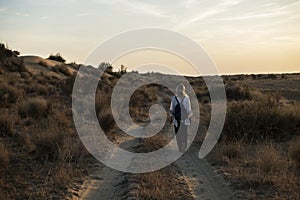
[187,105]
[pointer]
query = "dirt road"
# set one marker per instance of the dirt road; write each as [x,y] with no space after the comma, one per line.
[203,181]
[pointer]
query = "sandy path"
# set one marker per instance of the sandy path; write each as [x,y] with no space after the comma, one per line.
[202,179]
[204,182]
[104,184]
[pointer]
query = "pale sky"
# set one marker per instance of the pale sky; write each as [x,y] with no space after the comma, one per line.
[241,36]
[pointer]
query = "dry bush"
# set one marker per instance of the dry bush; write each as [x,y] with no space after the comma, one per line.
[229,150]
[6,53]
[64,69]
[14,64]
[44,63]
[4,158]
[68,84]
[47,138]
[260,118]
[237,92]
[9,94]
[104,113]
[34,107]
[167,184]
[56,57]
[6,125]
[42,90]
[294,150]
[269,161]
[106,120]
[72,150]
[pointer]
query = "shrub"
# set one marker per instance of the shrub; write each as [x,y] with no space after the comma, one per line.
[7,53]
[229,150]
[57,57]
[64,70]
[236,92]
[270,163]
[106,120]
[44,63]
[4,157]
[9,94]
[6,125]
[294,150]
[260,118]
[14,64]
[34,107]
[47,139]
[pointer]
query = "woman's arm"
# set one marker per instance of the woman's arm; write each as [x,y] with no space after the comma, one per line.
[188,107]
[171,106]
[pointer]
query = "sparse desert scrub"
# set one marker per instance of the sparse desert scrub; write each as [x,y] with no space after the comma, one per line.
[106,120]
[264,168]
[9,94]
[47,138]
[34,107]
[229,149]
[294,150]
[6,125]
[57,57]
[165,184]
[4,158]
[270,161]
[14,64]
[261,118]
[103,110]
[64,70]
[237,92]
[44,63]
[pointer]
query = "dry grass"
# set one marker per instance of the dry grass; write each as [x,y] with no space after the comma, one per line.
[44,63]
[9,94]
[47,139]
[4,158]
[261,118]
[270,162]
[237,92]
[294,150]
[34,107]
[166,184]
[14,64]
[266,170]
[106,120]
[6,125]
[230,150]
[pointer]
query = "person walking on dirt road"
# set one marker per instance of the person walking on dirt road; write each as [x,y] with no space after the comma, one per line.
[180,110]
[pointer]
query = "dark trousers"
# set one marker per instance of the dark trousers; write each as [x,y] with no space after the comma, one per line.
[181,135]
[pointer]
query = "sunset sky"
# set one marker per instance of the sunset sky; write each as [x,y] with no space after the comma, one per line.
[241,36]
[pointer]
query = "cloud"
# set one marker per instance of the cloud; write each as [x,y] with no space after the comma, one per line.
[84,14]
[44,17]
[209,12]
[137,7]
[2,9]
[254,16]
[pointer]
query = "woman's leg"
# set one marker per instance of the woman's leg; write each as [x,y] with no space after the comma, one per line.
[181,137]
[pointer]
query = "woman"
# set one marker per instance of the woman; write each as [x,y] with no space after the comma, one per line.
[181,116]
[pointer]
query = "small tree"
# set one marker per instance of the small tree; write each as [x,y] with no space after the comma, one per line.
[107,66]
[123,69]
[57,57]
